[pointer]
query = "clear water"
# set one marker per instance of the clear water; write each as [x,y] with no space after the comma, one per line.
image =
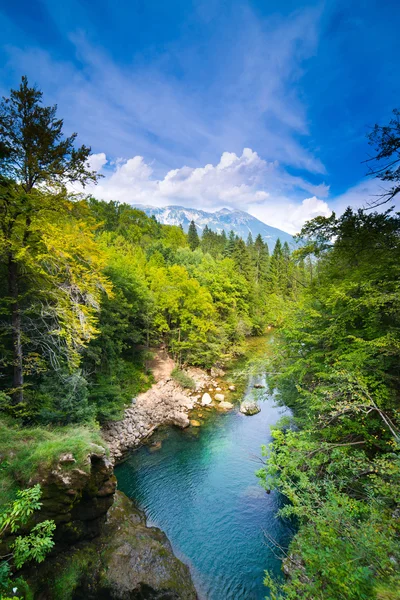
[200,488]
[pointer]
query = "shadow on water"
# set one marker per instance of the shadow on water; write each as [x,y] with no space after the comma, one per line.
[200,488]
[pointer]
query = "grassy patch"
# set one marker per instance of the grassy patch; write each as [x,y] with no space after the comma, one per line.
[183,379]
[26,450]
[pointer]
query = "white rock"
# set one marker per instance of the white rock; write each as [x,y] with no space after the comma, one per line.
[219,397]
[232,388]
[206,399]
[225,405]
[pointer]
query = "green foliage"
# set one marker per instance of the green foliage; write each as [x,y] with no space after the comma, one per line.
[336,366]
[183,379]
[32,546]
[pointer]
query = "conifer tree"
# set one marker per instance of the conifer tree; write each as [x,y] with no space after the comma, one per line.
[193,236]
[33,152]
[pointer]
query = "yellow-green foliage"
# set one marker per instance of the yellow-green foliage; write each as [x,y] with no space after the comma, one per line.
[23,452]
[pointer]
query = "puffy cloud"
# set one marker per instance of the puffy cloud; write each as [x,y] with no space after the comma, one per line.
[244,182]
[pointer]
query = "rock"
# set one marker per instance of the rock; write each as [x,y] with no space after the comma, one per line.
[249,408]
[216,372]
[218,389]
[127,561]
[225,406]
[206,399]
[155,446]
[195,423]
[259,386]
[219,397]
[179,419]
[67,459]
[232,388]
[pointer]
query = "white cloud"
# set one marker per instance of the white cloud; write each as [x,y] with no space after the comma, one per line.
[244,182]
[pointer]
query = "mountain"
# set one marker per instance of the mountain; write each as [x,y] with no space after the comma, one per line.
[241,222]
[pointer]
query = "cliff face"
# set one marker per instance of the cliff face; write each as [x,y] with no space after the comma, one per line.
[103,547]
[77,498]
[127,561]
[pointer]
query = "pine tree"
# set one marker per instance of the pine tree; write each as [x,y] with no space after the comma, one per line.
[193,236]
[34,153]
[249,242]
[230,244]
[260,259]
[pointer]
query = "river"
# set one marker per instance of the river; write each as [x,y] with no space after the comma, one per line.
[200,488]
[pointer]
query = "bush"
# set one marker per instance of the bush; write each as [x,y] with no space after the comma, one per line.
[183,379]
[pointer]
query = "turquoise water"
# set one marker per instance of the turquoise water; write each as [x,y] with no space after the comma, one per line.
[200,488]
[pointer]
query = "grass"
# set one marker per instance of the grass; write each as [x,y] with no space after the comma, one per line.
[26,450]
[183,379]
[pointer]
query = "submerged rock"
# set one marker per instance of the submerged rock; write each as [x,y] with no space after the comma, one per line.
[195,423]
[249,408]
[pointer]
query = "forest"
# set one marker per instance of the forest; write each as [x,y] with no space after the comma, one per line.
[89,287]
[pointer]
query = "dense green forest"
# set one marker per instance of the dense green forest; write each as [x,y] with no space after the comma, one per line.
[89,287]
[337,460]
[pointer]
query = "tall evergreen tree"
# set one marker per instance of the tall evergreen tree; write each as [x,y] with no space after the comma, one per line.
[193,236]
[260,259]
[33,152]
[230,244]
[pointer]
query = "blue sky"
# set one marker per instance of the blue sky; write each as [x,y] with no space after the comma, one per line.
[258,105]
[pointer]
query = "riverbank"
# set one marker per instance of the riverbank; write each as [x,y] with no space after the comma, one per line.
[199,486]
[165,403]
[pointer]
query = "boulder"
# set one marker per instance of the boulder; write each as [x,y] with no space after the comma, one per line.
[179,419]
[249,408]
[232,388]
[216,372]
[219,397]
[195,423]
[206,399]
[225,406]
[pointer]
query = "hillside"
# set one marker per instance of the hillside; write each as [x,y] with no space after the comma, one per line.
[242,223]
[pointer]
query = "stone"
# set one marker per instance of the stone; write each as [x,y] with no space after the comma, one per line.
[225,406]
[218,389]
[216,372]
[206,399]
[249,408]
[219,397]
[232,388]
[195,423]
[155,446]
[259,386]
[67,459]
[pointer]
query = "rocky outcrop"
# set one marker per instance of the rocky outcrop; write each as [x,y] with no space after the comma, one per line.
[76,496]
[165,403]
[249,408]
[127,561]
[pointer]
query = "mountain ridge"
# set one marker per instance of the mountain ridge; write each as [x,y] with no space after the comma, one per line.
[241,222]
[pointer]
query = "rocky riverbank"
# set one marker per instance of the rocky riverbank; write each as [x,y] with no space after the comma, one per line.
[165,403]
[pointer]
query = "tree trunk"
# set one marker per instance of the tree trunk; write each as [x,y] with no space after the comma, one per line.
[18,378]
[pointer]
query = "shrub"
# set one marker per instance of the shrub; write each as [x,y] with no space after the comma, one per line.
[183,379]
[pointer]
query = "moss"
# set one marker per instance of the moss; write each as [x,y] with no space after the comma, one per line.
[25,451]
